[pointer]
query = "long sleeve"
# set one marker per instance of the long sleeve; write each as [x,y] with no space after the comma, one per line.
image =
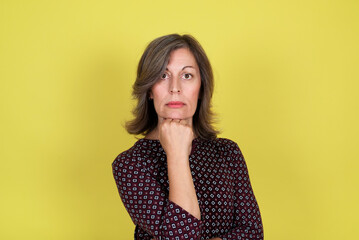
[148,204]
[247,220]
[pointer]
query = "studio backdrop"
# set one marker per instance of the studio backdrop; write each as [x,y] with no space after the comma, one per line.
[286,90]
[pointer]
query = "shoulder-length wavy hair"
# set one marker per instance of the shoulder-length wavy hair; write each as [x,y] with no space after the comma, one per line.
[152,64]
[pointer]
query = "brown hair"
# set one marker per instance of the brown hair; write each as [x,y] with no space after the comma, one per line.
[154,62]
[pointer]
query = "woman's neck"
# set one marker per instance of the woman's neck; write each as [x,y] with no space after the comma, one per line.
[153,135]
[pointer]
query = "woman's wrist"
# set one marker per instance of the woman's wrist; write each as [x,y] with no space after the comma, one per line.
[177,160]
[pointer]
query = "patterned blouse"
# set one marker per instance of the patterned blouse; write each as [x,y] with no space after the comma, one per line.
[229,209]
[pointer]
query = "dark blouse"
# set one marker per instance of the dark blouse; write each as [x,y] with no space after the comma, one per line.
[229,209]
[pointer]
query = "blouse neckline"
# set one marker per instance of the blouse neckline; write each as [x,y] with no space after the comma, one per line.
[150,143]
[158,141]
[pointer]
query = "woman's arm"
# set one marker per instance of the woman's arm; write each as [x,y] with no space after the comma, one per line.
[164,217]
[147,202]
[176,137]
[181,187]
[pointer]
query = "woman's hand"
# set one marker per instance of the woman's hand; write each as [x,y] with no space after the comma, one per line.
[175,136]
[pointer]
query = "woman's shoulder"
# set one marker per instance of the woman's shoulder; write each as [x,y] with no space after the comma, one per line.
[226,141]
[223,142]
[143,147]
[224,145]
[130,156]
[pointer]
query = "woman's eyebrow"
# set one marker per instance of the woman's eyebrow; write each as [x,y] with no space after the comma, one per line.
[183,67]
[187,67]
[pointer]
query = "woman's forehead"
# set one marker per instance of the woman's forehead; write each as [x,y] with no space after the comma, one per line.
[182,58]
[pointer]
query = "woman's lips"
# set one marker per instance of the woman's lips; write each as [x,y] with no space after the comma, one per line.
[175,104]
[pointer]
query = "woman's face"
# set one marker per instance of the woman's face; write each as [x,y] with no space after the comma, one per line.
[180,84]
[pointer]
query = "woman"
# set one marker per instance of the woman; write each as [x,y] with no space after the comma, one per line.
[180,181]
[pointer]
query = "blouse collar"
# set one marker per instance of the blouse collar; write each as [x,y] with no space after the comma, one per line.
[152,144]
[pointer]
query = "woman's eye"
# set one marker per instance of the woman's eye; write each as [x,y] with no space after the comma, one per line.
[187,76]
[164,76]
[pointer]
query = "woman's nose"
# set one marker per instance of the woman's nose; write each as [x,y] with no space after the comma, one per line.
[175,86]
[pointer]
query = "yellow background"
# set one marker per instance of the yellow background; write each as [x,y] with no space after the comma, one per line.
[286,90]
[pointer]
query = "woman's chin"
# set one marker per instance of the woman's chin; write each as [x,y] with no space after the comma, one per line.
[175,116]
